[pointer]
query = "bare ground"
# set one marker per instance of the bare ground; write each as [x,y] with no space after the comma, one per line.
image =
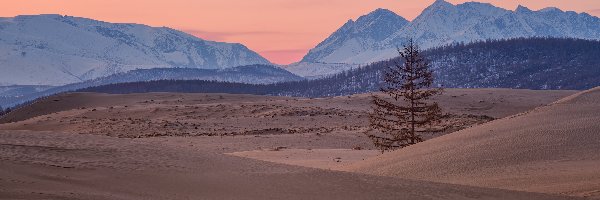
[551,149]
[164,114]
[178,146]
[43,165]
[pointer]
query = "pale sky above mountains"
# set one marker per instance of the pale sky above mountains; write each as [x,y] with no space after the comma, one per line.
[280,30]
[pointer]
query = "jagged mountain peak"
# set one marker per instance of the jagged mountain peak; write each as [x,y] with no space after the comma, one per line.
[479,7]
[444,23]
[374,18]
[438,5]
[444,8]
[441,22]
[379,12]
[522,9]
[353,35]
[378,15]
[379,19]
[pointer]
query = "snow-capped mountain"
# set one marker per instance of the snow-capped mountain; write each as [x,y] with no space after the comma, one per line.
[526,63]
[356,36]
[443,23]
[58,50]
[353,38]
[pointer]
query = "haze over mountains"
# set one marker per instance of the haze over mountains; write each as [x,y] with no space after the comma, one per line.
[58,50]
[375,36]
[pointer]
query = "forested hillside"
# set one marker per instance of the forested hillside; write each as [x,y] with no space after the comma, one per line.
[537,63]
[534,63]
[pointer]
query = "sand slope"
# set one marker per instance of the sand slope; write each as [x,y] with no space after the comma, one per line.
[330,159]
[42,158]
[553,149]
[51,165]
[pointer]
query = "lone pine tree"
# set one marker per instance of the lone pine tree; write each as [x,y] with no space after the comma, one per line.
[401,120]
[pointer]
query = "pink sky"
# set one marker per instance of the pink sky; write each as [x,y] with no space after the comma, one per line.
[280,30]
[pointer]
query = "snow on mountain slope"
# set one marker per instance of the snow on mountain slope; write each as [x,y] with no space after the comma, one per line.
[443,23]
[252,74]
[335,54]
[57,50]
[357,36]
[312,70]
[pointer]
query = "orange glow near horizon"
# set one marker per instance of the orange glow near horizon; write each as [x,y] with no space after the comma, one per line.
[280,30]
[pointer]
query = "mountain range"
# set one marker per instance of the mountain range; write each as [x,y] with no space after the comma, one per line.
[58,50]
[38,52]
[524,63]
[375,36]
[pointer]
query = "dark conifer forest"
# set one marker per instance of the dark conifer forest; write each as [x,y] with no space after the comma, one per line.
[533,63]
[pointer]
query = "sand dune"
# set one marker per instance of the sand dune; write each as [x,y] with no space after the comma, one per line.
[125,147]
[551,149]
[169,114]
[52,165]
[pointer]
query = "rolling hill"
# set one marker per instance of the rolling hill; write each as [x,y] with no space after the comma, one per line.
[251,74]
[552,149]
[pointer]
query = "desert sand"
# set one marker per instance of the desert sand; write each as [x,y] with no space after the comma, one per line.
[551,149]
[330,159]
[44,165]
[188,146]
[168,114]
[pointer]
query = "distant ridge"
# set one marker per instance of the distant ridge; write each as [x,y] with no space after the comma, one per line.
[57,50]
[526,63]
[534,63]
[251,74]
[440,24]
